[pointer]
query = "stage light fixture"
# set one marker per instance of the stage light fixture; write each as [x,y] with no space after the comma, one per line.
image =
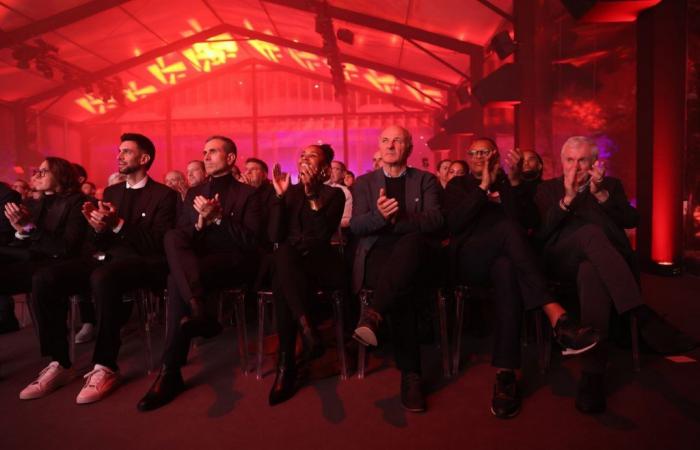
[503,44]
[346,36]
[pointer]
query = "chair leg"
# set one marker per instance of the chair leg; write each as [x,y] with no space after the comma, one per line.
[361,349]
[72,323]
[142,305]
[261,335]
[444,341]
[339,332]
[239,307]
[541,347]
[457,335]
[635,342]
[361,361]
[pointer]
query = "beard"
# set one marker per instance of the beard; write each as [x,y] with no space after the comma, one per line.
[531,175]
[128,170]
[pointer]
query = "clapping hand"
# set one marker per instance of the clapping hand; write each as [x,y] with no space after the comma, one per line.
[388,207]
[18,215]
[102,217]
[280,180]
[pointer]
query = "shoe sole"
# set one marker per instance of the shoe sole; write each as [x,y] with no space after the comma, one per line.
[365,336]
[413,410]
[87,401]
[572,351]
[45,393]
[510,416]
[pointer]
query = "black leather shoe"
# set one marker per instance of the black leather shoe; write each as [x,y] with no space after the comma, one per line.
[573,337]
[167,386]
[506,395]
[367,326]
[285,384]
[312,346]
[412,398]
[660,336]
[590,398]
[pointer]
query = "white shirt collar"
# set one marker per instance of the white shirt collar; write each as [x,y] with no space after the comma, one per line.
[140,185]
[402,174]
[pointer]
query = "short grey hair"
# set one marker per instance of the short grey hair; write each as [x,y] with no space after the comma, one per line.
[580,141]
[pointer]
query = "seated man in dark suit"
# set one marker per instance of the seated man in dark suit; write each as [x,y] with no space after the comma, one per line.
[213,246]
[125,252]
[584,215]
[302,221]
[51,231]
[396,215]
[487,212]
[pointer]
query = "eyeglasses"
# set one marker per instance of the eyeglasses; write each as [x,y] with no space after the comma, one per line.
[480,153]
[40,173]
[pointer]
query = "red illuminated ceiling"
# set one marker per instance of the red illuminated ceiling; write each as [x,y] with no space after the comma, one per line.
[121,34]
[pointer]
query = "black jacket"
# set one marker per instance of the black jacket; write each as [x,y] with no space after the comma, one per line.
[613,216]
[241,219]
[7,195]
[60,227]
[286,217]
[154,214]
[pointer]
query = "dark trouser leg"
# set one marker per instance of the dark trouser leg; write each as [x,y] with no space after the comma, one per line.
[396,275]
[51,287]
[509,314]
[291,280]
[15,278]
[177,344]
[213,270]
[109,283]
[595,311]
[589,243]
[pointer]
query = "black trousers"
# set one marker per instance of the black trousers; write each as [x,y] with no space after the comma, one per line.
[107,282]
[296,277]
[398,272]
[500,255]
[603,280]
[195,270]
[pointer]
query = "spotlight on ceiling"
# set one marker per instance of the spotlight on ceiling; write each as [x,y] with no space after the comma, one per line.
[345,35]
[503,44]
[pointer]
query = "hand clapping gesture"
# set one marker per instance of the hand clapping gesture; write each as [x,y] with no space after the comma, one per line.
[310,177]
[597,174]
[514,160]
[18,215]
[280,180]
[100,217]
[209,210]
[388,207]
[490,171]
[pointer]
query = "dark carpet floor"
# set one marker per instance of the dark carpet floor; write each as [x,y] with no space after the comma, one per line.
[658,408]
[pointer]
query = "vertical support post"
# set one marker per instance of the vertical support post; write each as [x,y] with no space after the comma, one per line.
[254,85]
[661,137]
[524,13]
[168,133]
[346,149]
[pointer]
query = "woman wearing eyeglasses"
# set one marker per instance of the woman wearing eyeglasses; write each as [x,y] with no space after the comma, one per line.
[50,230]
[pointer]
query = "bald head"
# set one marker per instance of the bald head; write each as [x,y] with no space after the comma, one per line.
[395,145]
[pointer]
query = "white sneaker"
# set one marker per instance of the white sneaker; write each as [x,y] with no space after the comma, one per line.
[86,333]
[98,383]
[51,378]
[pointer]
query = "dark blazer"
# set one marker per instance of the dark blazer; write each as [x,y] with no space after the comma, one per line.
[60,227]
[422,211]
[241,218]
[286,217]
[7,195]
[155,212]
[467,206]
[613,216]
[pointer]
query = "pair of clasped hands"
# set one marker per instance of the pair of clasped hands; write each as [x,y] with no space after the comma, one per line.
[575,182]
[309,176]
[104,216]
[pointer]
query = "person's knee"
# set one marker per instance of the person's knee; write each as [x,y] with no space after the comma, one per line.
[591,233]
[44,279]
